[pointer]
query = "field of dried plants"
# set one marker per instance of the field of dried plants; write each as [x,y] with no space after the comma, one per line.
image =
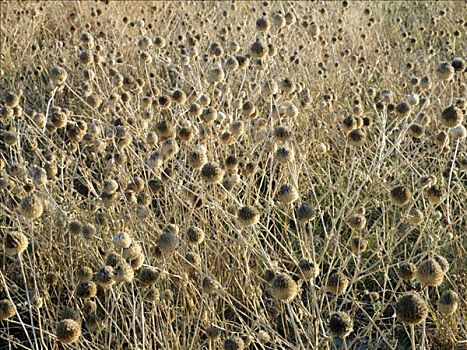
[233,175]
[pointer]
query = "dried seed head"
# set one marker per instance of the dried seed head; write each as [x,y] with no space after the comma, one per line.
[443,262]
[430,273]
[167,243]
[304,213]
[193,261]
[287,194]
[15,243]
[197,158]
[400,195]
[209,285]
[284,154]
[411,308]
[32,207]
[84,273]
[74,227]
[148,276]
[308,269]
[415,216]
[358,245]
[234,343]
[121,240]
[58,75]
[195,235]
[337,283]
[357,222]
[7,309]
[212,173]
[403,109]
[448,302]
[356,137]
[123,272]
[68,331]
[283,287]
[105,276]
[444,71]
[451,116]
[434,194]
[86,290]
[459,132]
[340,324]
[213,332]
[248,216]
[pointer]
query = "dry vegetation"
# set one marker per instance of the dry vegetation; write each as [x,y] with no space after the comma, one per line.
[233,175]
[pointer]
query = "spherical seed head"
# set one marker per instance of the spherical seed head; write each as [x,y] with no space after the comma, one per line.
[148,276]
[287,194]
[434,194]
[411,308]
[211,173]
[430,273]
[459,132]
[282,133]
[304,213]
[213,332]
[193,261]
[340,324]
[105,276]
[15,243]
[403,109]
[337,283]
[7,309]
[84,273]
[58,75]
[263,337]
[451,116]
[123,272]
[416,131]
[234,343]
[74,227]
[357,222]
[356,137]
[358,245]
[86,289]
[443,262]
[68,331]
[258,49]
[415,216]
[444,71]
[268,275]
[448,302]
[121,240]
[458,64]
[248,216]
[308,269]
[284,154]
[167,243]
[407,271]
[89,307]
[209,285]
[400,195]
[32,207]
[195,235]
[283,287]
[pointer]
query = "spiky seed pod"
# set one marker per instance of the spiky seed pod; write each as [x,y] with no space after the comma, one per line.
[148,276]
[84,273]
[282,133]
[211,173]
[248,216]
[308,269]
[234,343]
[237,128]
[209,114]
[349,123]
[444,71]
[340,324]
[167,242]
[113,259]
[268,275]
[209,285]
[448,302]
[121,240]
[152,294]
[89,307]
[74,227]
[7,309]
[357,222]
[451,116]
[403,109]
[443,262]
[105,276]
[197,158]
[356,137]
[68,331]
[193,261]
[400,195]
[195,235]
[58,75]
[337,283]
[459,132]
[32,207]
[406,271]
[258,49]
[411,308]
[284,154]
[416,131]
[358,245]
[283,287]
[86,290]
[15,243]
[123,272]
[287,194]
[430,273]
[305,213]
[415,216]
[186,134]
[213,332]
[434,194]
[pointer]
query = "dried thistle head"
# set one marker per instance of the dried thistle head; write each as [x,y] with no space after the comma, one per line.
[411,308]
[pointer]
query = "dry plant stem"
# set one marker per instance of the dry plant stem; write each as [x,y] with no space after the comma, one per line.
[448,207]
[29,301]
[412,336]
